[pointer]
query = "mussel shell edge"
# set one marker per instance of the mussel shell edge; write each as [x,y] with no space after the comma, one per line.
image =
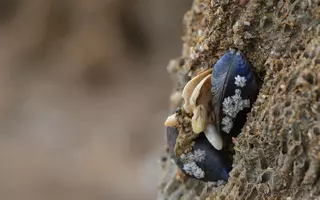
[216,165]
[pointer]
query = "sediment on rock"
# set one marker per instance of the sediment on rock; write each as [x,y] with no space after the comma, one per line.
[278,150]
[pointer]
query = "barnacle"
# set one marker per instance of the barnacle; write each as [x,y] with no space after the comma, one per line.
[240,81]
[190,166]
[193,169]
[201,94]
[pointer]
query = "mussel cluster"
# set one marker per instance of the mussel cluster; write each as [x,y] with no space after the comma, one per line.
[216,103]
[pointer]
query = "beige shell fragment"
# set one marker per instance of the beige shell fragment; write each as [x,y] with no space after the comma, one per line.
[201,95]
[211,118]
[199,119]
[213,136]
[171,121]
[189,88]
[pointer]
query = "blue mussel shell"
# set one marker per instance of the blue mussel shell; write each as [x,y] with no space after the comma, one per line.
[217,164]
[231,65]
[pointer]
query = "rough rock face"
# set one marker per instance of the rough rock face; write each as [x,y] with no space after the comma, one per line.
[278,152]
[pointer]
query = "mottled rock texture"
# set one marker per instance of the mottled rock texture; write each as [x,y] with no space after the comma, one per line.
[278,152]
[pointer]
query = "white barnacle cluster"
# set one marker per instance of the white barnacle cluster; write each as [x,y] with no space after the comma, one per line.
[190,166]
[240,81]
[216,183]
[193,170]
[227,124]
[231,106]
[198,156]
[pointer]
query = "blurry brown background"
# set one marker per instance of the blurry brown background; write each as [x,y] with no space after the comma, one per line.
[84,94]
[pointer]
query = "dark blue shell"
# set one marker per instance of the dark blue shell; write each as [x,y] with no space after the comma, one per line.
[216,165]
[230,65]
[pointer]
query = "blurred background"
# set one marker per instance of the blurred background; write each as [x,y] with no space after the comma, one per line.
[84,93]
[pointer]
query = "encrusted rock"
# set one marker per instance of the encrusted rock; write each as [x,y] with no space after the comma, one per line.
[277,153]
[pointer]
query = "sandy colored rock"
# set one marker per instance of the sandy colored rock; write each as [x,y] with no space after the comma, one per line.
[277,153]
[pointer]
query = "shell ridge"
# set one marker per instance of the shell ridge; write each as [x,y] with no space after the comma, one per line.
[219,81]
[243,68]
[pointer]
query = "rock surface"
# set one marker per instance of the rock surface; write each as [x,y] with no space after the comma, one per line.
[83,95]
[278,152]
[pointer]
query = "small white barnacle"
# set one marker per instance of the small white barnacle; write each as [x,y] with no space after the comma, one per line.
[227,124]
[199,155]
[246,103]
[240,81]
[190,166]
[236,98]
[184,158]
[229,107]
[198,173]
[193,169]
[227,104]
[194,55]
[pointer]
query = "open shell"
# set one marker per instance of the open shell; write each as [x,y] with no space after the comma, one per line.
[199,103]
[199,119]
[189,88]
[201,94]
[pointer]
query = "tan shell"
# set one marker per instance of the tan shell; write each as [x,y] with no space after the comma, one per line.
[201,95]
[213,136]
[189,88]
[171,121]
[199,119]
